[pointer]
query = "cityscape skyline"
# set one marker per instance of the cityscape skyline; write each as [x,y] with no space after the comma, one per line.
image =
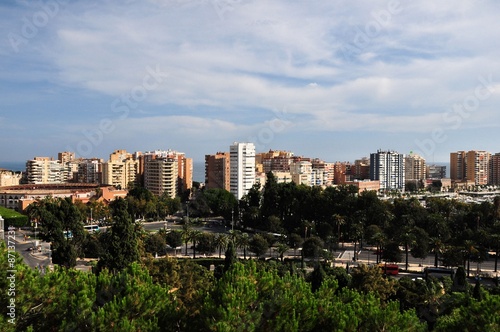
[331,80]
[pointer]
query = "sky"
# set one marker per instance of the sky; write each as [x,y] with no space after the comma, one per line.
[335,80]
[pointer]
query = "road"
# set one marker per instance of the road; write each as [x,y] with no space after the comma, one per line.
[32,258]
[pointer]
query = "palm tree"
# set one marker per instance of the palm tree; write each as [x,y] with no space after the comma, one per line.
[243,241]
[194,237]
[339,221]
[186,234]
[221,242]
[281,248]
[437,246]
[470,249]
[379,239]
[408,239]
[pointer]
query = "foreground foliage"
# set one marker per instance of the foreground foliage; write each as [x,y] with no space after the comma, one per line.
[180,295]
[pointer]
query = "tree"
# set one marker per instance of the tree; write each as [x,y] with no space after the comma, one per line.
[120,244]
[295,241]
[281,249]
[206,243]
[155,244]
[221,202]
[270,198]
[230,256]
[221,242]
[243,242]
[317,277]
[313,247]
[408,239]
[258,245]
[61,223]
[194,236]
[371,279]
[186,234]
[174,239]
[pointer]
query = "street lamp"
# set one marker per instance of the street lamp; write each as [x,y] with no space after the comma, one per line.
[232,219]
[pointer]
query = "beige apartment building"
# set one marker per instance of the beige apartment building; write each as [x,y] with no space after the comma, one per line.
[161,176]
[301,171]
[9,178]
[415,168]
[120,170]
[184,171]
[42,170]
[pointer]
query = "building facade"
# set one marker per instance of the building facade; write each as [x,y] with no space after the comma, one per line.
[470,166]
[388,167]
[120,170]
[217,171]
[242,168]
[415,168]
[161,176]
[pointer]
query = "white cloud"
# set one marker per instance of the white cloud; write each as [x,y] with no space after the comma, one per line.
[228,66]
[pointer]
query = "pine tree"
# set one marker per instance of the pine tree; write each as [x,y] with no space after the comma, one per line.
[120,243]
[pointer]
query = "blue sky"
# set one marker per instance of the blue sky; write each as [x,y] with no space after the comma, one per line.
[330,79]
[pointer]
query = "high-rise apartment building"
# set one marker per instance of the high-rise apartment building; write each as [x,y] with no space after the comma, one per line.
[388,167]
[41,170]
[217,171]
[242,168]
[184,172]
[477,167]
[89,171]
[495,169]
[361,169]
[161,176]
[323,172]
[342,172]
[415,169]
[274,161]
[302,173]
[473,166]
[69,166]
[457,166]
[120,170]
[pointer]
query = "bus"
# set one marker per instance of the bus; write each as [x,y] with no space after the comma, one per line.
[439,272]
[389,269]
[91,228]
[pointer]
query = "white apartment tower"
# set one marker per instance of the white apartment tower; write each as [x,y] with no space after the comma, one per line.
[242,168]
[389,168]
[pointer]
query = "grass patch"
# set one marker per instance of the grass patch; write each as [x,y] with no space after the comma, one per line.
[13,218]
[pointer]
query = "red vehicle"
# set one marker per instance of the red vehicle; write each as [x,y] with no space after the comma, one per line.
[389,269]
